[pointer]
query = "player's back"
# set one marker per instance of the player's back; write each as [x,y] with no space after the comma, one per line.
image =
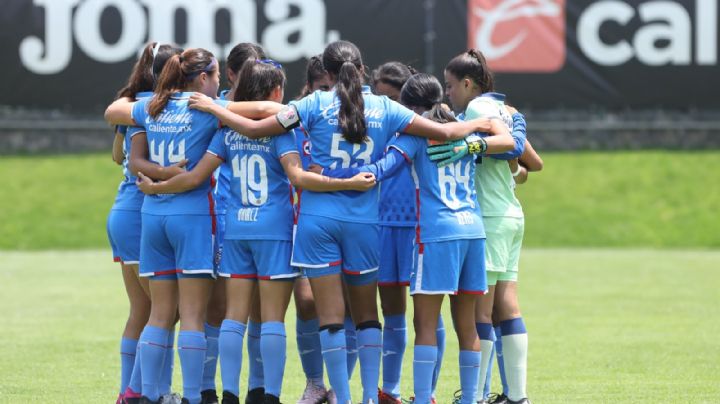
[319,116]
[177,133]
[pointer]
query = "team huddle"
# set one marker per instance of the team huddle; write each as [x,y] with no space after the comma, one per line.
[232,203]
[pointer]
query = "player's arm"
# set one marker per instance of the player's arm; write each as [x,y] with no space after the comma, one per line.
[140,162]
[389,165]
[181,182]
[319,183]
[120,112]
[519,173]
[530,158]
[117,149]
[499,142]
[519,135]
[236,115]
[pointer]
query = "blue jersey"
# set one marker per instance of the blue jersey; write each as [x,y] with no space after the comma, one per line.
[222,179]
[318,113]
[260,204]
[178,133]
[129,197]
[446,202]
[397,200]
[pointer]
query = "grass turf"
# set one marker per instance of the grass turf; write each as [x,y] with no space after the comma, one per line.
[618,199]
[606,325]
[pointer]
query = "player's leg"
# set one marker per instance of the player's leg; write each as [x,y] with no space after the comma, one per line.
[317,252]
[393,278]
[308,343]
[272,259]
[215,316]
[239,273]
[426,313]
[507,313]
[360,265]
[256,375]
[486,332]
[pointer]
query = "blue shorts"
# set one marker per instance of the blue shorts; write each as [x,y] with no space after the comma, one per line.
[396,255]
[258,259]
[176,246]
[325,246]
[123,230]
[449,267]
[219,239]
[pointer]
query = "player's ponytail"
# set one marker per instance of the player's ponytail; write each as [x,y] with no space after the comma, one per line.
[425,91]
[141,78]
[342,59]
[472,65]
[178,73]
[394,74]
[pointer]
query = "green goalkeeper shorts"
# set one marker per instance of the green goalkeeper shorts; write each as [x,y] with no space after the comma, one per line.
[502,248]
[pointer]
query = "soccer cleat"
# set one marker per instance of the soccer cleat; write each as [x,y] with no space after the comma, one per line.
[385,398]
[208,397]
[255,396]
[457,397]
[521,401]
[331,398]
[270,399]
[411,400]
[230,398]
[145,400]
[313,394]
[131,397]
[171,398]
[495,398]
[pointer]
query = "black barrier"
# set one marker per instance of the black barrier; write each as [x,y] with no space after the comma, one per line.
[548,54]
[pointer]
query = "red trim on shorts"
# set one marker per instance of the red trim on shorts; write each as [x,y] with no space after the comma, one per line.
[417,215]
[471,292]
[243,276]
[211,202]
[117,259]
[167,272]
[335,263]
[421,248]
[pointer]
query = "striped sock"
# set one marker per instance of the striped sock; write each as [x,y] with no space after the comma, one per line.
[308,345]
[192,348]
[351,345]
[469,372]
[128,350]
[335,357]
[424,359]
[486,333]
[515,348]
[152,354]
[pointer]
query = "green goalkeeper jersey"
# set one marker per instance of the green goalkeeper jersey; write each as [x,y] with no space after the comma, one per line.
[493,179]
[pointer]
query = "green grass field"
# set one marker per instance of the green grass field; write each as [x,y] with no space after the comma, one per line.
[606,326]
[618,199]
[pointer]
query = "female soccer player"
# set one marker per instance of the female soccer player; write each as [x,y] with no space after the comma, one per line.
[124,227]
[259,226]
[177,245]
[470,87]
[397,234]
[337,231]
[237,57]
[449,242]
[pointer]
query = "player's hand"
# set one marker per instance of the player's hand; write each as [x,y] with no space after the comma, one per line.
[175,169]
[314,168]
[450,152]
[201,102]
[362,182]
[144,183]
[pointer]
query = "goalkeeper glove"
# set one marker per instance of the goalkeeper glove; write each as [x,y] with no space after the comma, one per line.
[450,152]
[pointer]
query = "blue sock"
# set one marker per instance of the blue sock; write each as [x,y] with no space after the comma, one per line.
[423,368]
[256,378]
[165,385]
[394,343]
[128,350]
[488,371]
[486,334]
[440,334]
[230,345]
[469,373]
[135,383]
[335,357]
[192,348]
[500,361]
[273,346]
[308,345]
[211,357]
[369,342]
[152,354]
[351,345]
